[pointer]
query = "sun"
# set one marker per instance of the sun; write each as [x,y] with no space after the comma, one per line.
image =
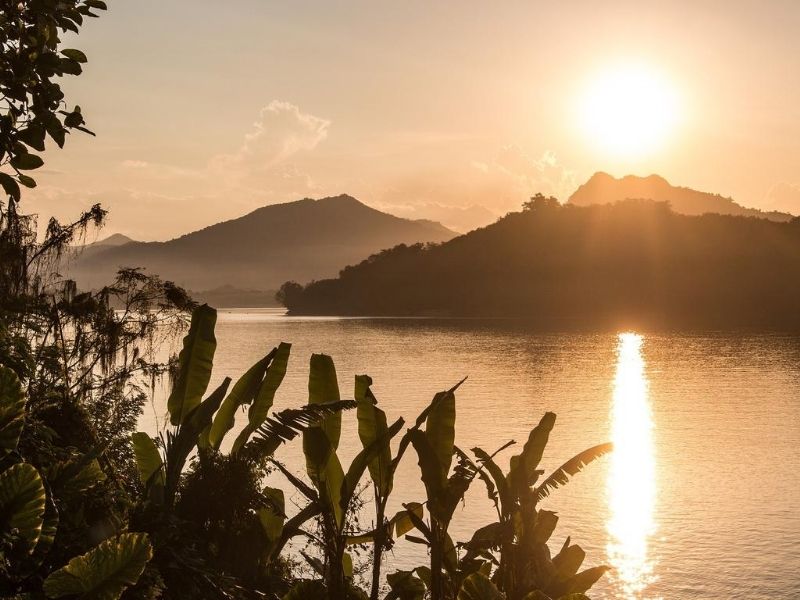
[629,111]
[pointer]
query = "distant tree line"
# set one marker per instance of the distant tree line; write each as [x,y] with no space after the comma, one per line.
[633,263]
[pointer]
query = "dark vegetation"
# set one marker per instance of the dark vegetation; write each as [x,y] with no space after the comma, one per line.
[90,509]
[634,263]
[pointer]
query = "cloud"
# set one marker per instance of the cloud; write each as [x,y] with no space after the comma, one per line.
[134,164]
[544,174]
[784,197]
[281,132]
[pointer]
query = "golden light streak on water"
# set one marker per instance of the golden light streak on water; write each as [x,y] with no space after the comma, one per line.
[632,473]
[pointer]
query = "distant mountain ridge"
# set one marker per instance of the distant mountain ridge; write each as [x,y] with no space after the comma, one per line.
[602,188]
[633,264]
[302,240]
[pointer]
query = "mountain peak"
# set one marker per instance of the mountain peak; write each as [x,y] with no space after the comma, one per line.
[116,239]
[301,240]
[602,188]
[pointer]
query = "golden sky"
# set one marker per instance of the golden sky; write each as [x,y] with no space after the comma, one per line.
[456,111]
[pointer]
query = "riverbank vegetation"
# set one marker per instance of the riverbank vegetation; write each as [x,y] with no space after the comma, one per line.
[193,520]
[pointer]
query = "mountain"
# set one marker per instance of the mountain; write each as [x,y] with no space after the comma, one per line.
[632,264]
[116,239]
[302,240]
[602,188]
[112,241]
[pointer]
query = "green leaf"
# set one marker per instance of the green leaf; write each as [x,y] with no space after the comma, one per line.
[320,440]
[259,410]
[195,363]
[26,162]
[22,504]
[48,533]
[243,392]
[572,467]
[87,477]
[500,482]
[193,432]
[440,430]
[33,135]
[325,470]
[406,585]
[148,459]
[10,186]
[569,560]
[55,130]
[12,410]
[28,182]
[479,587]
[323,388]
[75,55]
[430,470]
[585,580]
[105,571]
[362,459]
[371,426]
[523,473]
[347,565]
[402,522]
[546,522]
[287,424]
[273,516]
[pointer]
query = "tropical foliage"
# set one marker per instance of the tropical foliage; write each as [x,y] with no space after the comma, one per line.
[235,544]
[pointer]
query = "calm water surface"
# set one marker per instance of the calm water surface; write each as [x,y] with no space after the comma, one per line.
[699,500]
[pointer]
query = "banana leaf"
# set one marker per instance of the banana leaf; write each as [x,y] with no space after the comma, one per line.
[196,360]
[265,397]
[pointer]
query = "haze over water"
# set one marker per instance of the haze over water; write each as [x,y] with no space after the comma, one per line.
[699,499]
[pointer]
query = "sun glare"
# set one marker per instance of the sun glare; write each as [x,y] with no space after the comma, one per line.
[629,111]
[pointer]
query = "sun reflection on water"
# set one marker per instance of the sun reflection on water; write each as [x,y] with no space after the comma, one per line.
[631,479]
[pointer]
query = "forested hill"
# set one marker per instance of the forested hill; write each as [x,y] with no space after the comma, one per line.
[629,264]
[302,240]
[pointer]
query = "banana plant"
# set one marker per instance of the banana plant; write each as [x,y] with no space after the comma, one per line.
[332,490]
[372,426]
[525,569]
[435,448]
[202,424]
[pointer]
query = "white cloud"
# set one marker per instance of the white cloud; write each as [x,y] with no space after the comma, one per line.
[281,132]
[135,164]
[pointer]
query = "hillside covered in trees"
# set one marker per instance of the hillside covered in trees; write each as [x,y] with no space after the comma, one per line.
[629,264]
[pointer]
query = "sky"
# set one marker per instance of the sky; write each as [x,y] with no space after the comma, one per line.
[455,111]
